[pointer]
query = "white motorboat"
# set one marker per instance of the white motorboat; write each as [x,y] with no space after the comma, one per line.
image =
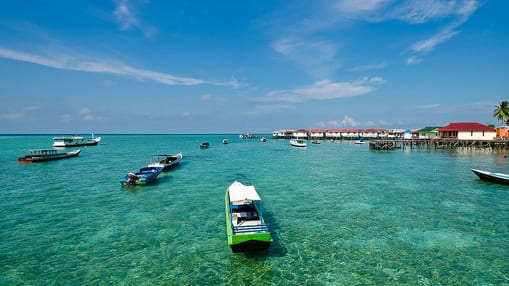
[74,141]
[298,142]
[165,162]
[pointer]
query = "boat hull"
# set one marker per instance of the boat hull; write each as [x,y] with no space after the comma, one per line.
[250,245]
[35,159]
[492,177]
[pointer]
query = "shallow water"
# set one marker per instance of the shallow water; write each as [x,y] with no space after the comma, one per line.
[340,214]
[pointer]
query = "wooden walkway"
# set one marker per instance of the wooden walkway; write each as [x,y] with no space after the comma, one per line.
[437,144]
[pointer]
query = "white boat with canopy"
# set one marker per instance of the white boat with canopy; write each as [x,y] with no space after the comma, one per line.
[245,226]
[74,141]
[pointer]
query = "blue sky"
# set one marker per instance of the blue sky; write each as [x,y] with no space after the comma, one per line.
[125,66]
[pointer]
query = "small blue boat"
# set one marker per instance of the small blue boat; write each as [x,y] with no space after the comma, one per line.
[145,176]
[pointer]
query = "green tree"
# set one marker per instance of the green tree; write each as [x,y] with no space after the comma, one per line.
[501,111]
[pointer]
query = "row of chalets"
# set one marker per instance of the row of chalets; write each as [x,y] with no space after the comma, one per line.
[455,130]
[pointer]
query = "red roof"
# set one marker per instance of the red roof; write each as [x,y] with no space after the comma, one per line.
[333,131]
[466,126]
[301,130]
[317,130]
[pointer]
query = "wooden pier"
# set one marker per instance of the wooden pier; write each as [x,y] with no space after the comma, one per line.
[437,144]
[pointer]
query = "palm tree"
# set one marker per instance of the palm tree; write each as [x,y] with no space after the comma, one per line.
[501,111]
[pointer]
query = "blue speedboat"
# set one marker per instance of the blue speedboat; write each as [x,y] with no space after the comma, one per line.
[145,176]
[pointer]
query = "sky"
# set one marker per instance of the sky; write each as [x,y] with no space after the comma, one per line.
[140,66]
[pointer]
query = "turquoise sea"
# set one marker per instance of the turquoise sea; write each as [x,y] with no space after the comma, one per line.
[340,214]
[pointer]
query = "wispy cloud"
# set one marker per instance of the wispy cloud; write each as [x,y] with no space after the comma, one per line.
[126,15]
[413,60]
[87,115]
[306,37]
[360,7]
[81,63]
[347,121]
[421,11]
[326,89]
[24,113]
[314,56]
[378,66]
[428,106]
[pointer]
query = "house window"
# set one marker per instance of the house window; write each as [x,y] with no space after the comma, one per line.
[472,133]
[483,134]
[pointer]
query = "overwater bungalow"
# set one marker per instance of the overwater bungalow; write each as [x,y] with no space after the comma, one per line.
[428,132]
[317,134]
[467,131]
[300,133]
[503,132]
[333,134]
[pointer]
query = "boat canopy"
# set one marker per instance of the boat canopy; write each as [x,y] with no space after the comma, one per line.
[240,194]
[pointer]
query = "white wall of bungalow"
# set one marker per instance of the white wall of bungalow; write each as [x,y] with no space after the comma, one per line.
[467,131]
[301,133]
[317,133]
[333,134]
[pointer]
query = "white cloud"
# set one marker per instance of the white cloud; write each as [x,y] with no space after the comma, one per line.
[413,60]
[354,7]
[88,115]
[85,111]
[79,63]
[418,11]
[186,114]
[12,116]
[347,121]
[26,112]
[326,89]
[126,15]
[206,97]
[428,45]
[378,66]
[316,57]
[422,11]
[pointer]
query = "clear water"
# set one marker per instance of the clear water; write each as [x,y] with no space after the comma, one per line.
[340,213]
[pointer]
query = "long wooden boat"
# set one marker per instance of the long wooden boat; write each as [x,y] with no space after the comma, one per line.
[74,141]
[245,227]
[144,176]
[165,162]
[298,142]
[492,177]
[42,155]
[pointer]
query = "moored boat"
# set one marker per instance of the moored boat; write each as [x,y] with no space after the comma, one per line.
[360,141]
[144,176]
[263,139]
[298,142]
[316,142]
[165,162]
[492,177]
[42,155]
[225,141]
[245,227]
[74,141]
[204,145]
